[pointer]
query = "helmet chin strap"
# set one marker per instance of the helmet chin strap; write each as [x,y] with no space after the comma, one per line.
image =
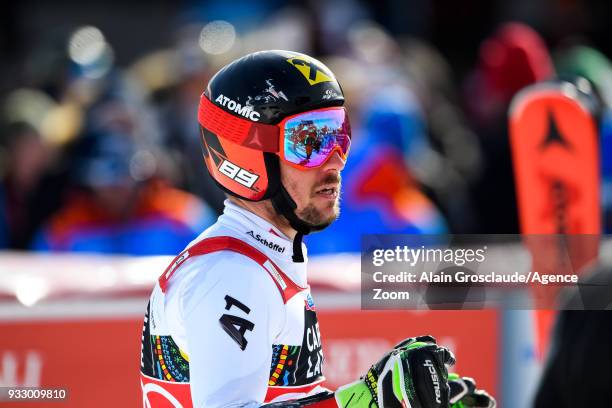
[285,206]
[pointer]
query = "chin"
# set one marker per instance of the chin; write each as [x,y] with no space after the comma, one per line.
[322,226]
[325,218]
[320,216]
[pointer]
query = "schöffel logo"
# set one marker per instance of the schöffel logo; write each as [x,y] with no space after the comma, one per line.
[275,247]
[246,110]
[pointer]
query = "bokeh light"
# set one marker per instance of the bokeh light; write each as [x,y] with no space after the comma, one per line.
[86,45]
[217,37]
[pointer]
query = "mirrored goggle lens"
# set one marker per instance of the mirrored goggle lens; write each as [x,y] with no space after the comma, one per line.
[312,137]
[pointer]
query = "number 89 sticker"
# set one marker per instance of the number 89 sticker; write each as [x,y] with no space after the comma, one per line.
[238,174]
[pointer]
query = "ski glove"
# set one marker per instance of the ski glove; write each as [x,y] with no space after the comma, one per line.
[412,375]
[463,393]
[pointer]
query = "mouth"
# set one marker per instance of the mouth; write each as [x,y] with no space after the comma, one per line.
[328,191]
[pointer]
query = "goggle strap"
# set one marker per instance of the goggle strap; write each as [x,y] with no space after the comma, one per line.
[258,136]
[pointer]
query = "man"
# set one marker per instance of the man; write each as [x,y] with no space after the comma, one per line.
[231,322]
[583,327]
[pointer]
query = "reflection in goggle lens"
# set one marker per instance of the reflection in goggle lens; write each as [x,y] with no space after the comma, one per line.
[310,138]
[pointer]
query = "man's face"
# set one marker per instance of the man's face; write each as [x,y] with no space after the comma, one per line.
[315,191]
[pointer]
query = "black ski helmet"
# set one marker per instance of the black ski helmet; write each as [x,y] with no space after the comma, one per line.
[264,88]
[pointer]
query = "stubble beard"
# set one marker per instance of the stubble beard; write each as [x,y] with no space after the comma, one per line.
[318,218]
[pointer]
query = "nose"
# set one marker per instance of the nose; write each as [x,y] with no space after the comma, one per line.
[335,162]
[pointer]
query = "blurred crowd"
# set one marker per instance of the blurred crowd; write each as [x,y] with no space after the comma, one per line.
[105,157]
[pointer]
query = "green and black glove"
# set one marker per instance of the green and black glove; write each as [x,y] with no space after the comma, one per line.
[413,374]
[464,394]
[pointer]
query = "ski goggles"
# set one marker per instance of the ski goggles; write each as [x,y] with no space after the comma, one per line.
[305,140]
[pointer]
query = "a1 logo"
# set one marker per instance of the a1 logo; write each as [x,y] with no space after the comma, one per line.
[238,174]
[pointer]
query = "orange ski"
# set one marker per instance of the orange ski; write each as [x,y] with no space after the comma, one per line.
[554,142]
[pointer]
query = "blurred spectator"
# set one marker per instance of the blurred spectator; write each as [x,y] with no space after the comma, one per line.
[120,206]
[581,347]
[25,157]
[589,63]
[35,128]
[512,58]
[174,80]
[437,90]
[453,160]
